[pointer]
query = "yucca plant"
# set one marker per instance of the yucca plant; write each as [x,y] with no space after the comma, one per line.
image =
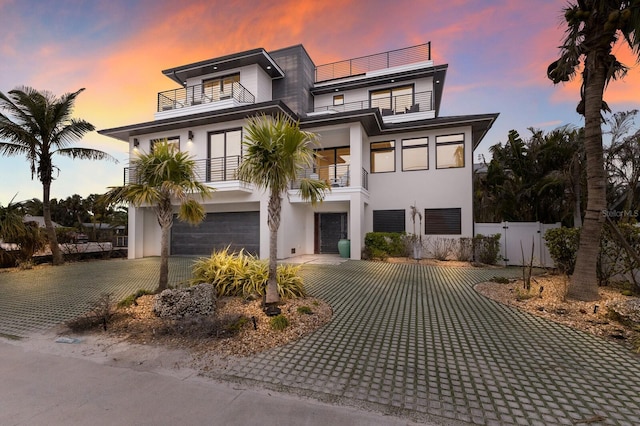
[242,274]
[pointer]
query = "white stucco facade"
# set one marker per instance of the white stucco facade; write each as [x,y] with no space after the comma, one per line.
[349,127]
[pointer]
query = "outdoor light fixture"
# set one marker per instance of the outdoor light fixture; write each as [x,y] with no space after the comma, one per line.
[136,142]
[190,138]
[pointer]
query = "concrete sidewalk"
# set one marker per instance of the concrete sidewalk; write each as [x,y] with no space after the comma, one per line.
[45,389]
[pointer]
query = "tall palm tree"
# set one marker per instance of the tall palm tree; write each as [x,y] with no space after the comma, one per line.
[276,152]
[593,28]
[162,176]
[39,125]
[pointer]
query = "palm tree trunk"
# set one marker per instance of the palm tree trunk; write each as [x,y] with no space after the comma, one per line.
[56,253]
[275,207]
[165,220]
[584,282]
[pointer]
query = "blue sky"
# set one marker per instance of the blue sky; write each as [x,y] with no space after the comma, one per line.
[497,51]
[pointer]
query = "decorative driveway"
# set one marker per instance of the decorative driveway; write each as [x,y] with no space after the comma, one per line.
[407,340]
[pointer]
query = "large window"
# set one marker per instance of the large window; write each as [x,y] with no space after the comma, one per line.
[389,221]
[383,157]
[415,154]
[333,166]
[450,151]
[215,89]
[395,100]
[172,141]
[443,221]
[225,154]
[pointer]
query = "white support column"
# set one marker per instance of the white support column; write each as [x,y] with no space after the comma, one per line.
[135,249]
[356,218]
[355,150]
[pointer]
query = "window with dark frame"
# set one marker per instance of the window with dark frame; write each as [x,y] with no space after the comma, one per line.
[415,154]
[338,100]
[394,100]
[389,220]
[450,151]
[443,221]
[225,154]
[215,89]
[172,141]
[383,157]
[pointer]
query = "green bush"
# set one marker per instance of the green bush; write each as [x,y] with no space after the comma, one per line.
[487,248]
[279,322]
[241,274]
[562,244]
[304,310]
[131,299]
[380,245]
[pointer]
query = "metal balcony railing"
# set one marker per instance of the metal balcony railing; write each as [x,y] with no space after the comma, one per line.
[220,169]
[401,104]
[364,64]
[336,175]
[202,94]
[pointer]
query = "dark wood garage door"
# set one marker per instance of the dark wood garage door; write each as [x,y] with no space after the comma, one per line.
[239,230]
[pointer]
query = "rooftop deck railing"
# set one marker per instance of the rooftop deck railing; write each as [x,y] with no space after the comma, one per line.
[401,104]
[364,64]
[202,94]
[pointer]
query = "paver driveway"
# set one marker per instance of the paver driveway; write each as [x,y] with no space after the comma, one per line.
[405,339]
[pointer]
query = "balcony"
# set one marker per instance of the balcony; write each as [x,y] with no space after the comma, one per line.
[200,94]
[367,64]
[336,175]
[212,170]
[403,107]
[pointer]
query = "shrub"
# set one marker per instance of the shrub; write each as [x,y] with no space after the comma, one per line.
[100,313]
[305,310]
[563,246]
[380,245]
[241,274]
[131,299]
[487,248]
[500,280]
[279,322]
[441,248]
[464,249]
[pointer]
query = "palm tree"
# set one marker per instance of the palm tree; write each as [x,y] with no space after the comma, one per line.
[593,28]
[276,152]
[13,229]
[160,177]
[39,125]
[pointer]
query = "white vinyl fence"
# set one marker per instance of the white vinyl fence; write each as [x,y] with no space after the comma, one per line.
[518,236]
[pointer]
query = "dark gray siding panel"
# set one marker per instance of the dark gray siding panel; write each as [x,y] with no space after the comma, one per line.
[299,70]
[239,230]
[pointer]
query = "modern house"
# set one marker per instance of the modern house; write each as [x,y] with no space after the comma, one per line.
[383,148]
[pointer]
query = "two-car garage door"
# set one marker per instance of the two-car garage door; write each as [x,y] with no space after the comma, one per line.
[238,230]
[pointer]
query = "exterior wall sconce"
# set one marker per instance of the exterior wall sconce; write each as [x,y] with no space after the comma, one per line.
[136,142]
[190,137]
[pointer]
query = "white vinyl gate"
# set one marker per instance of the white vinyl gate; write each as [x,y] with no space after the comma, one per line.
[518,236]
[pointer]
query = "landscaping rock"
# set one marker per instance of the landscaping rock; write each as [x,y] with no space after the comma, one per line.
[628,310]
[185,302]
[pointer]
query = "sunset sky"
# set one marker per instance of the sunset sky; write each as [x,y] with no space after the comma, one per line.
[497,51]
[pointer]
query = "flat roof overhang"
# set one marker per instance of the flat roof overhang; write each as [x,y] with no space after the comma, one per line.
[372,122]
[192,120]
[438,72]
[225,63]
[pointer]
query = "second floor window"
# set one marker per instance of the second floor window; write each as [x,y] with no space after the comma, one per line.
[383,157]
[225,154]
[172,141]
[415,154]
[450,151]
[394,100]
